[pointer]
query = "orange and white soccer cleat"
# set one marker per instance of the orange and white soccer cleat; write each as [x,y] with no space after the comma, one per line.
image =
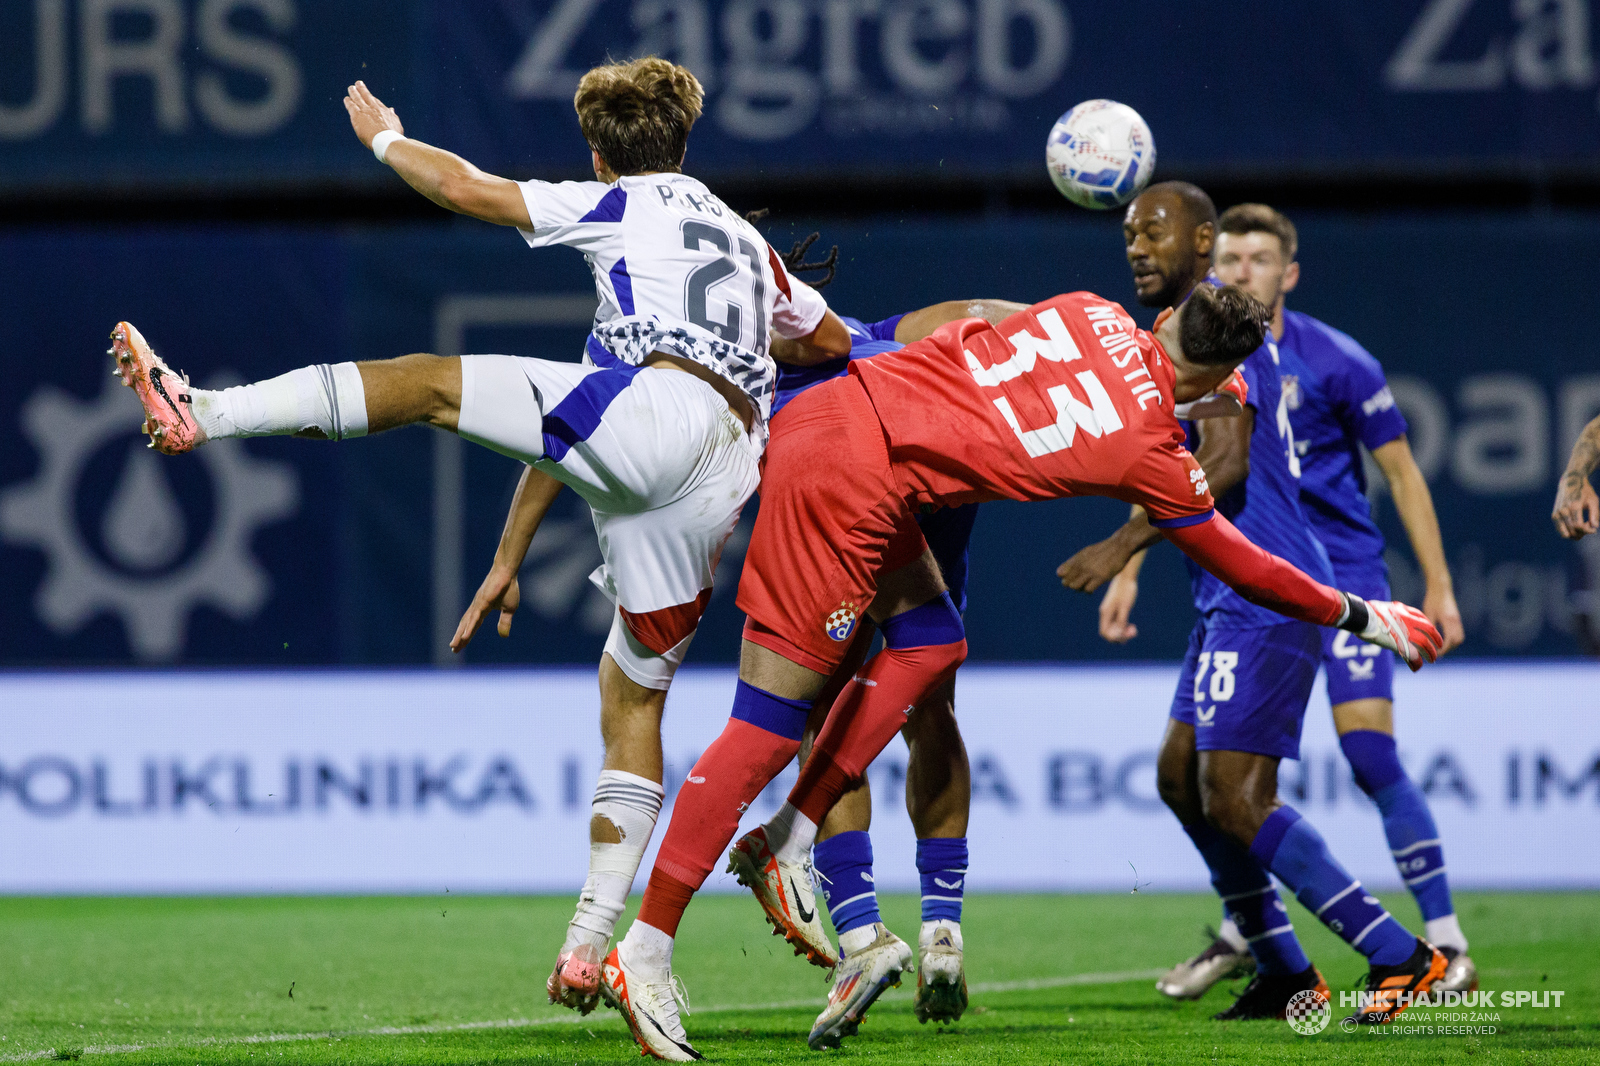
[575,982]
[785,891]
[164,393]
[649,1004]
[1393,990]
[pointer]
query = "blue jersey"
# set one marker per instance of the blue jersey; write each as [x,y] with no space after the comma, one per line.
[1337,400]
[866,339]
[1265,506]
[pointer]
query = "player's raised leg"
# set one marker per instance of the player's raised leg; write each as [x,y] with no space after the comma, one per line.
[1366,735]
[335,402]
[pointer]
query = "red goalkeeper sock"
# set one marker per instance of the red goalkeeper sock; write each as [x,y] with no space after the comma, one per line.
[759,741]
[874,705]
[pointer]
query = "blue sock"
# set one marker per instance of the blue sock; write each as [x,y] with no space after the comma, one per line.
[1250,900]
[845,863]
[1289,847]
[1407,822]
[942,862]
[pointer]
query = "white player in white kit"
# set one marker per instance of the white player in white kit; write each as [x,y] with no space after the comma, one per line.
[660,429]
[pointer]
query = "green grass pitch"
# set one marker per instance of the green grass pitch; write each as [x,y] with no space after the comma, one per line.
[460,980]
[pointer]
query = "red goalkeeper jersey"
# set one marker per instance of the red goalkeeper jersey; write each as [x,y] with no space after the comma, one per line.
[1067,398]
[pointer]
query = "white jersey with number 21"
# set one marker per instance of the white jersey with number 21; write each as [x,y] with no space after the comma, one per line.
[677,270]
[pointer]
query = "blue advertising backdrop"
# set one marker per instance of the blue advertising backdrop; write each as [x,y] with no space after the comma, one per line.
[229,93]
[289,552]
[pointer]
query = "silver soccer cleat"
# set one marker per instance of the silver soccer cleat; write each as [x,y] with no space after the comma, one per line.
[1194,977]
[858,981]
[1461,975]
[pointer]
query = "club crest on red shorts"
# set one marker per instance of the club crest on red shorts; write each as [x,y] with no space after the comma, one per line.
[841,623]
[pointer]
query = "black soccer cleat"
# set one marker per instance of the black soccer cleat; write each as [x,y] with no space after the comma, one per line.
[1268,995]
[1391,990]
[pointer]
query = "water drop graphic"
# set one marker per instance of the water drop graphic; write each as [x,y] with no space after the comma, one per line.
[144,526]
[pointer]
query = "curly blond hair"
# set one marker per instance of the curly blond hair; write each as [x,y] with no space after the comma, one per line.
[637,115]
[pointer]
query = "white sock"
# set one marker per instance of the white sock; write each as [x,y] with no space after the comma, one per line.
[857,938]
[925,936]
[325,397]
[791,834]
[648,948]
[632,804]
[1230,933]
[1446,933]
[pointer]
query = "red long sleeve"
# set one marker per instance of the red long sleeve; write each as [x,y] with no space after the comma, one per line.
[1255,573]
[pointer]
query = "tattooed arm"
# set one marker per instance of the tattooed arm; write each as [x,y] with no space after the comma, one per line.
[1577,510]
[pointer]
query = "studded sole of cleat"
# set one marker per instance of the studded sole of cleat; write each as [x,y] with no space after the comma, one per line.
[942,1003]
[794,940]
[133,375]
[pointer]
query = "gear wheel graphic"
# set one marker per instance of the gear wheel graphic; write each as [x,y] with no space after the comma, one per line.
[78,585]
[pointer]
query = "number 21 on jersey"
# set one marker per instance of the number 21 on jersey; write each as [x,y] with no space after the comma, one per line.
[697,290]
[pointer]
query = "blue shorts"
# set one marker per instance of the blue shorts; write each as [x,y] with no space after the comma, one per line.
[1358,670]
[1246,689]
[948,532]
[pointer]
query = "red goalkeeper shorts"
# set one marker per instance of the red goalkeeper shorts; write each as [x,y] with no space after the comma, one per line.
[831,522]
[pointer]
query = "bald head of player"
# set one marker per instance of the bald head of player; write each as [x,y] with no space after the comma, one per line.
[1168,232]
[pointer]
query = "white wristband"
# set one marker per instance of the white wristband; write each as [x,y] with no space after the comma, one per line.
[381,143]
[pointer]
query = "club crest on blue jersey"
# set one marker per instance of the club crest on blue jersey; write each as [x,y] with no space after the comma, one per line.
[841,623]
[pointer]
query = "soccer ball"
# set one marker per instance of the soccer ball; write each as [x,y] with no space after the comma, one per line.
[1100,154]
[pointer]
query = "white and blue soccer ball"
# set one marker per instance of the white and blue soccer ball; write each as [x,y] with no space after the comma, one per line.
[1100,154]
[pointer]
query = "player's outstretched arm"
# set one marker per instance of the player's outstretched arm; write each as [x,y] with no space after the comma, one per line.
[499,591]
[441,176]
[1415,504]
[917,325]
[1270,582]
[1577,510]
[830,340]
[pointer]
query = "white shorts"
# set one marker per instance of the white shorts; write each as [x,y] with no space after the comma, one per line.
[663,463]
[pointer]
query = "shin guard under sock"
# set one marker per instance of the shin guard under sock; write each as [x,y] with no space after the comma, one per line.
[330,398]
[1408,822]
[942,864]
[1288,846]
[759,740]
[1250,901]
[630,804]
[844,866]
